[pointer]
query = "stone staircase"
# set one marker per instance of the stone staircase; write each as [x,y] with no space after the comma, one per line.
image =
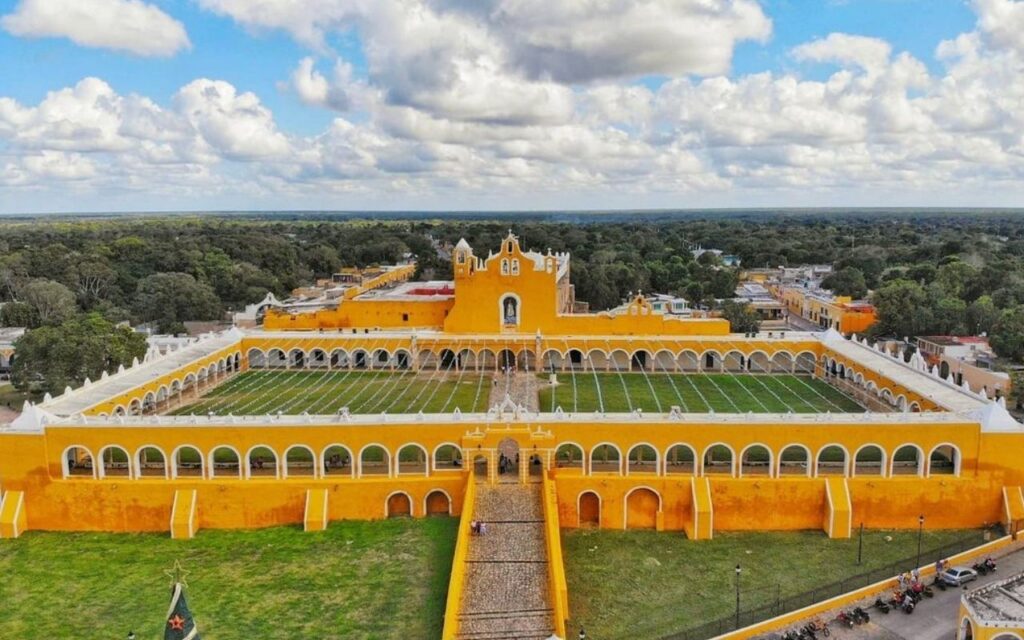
[521,386]
[506,591]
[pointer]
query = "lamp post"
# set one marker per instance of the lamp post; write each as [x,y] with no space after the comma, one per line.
[738,596]
[920,532]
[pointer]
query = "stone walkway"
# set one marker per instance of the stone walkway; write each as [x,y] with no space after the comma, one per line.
[521,386]
[506,592]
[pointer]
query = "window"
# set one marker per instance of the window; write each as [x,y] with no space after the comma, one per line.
[504,267]
[515,266]
[462,258]
[405,317]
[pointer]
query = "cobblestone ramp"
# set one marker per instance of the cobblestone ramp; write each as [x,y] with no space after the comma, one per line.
[506,592]
[521,387]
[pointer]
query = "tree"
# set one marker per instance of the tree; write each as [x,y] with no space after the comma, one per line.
[172,298]
[848,281]
[903,309]
[51,358]
[741,316]
[51,302]
[981,315]
[1007,336]
[17,314]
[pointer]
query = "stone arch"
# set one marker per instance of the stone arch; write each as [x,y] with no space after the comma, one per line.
[755,460]
[299,461]
[360,359]
[642,458]
[225,461]
[711,360]
[162,394]
[569,455]
[605,458]
[805,362]
[782,362]
[427,359]
[77,462]
[901,403]
[336,460]
[689,361]
[257,358]
[526,360]
[869,460]
[398,505]
[642,505]
[402,359]
[411,459]
[114,462]
[187,462]
[832,460]
[588,509]
[944,459]
[795,460]
[447,457]
[261,461]
[486,360]
[149,402]
[680,458]
[150,462]
[507,360]
[297,358]
[552,360]
[437,503]
[718,458]
[380,359]
[665,361]
[339,359]
[915,407]
[734,361]
[318,358]
[119,410]
[276,359]
[619,360]
[640,360]
[374,460]
[759,362]
[597,359]
[907,459]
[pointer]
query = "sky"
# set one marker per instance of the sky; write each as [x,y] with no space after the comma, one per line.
[172,105]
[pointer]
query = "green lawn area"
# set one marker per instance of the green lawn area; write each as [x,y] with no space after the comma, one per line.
[324,393]
[11,396]
[643,585]
[693,393]
[385,579]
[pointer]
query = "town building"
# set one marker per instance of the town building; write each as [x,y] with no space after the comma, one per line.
[969,358]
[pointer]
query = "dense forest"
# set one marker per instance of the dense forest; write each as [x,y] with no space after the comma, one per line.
[928,273]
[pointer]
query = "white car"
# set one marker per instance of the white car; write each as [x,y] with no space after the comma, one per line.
[958,576]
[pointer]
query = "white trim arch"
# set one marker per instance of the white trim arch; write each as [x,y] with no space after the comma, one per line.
[139,473]
[808,460]
[386,462]
[882,463]
[625,502]
[582,452]
[433,458]
[590,458]
[249,461]
[579,502]
[323,460]
[65,467]
[315,473]
[921,460]
[733,459]
[174,461]
[387,500]
[101,470]
[771,459]
[846,460]
[957,459]
[656,466]
[666,459]
[398,460]
[426,497]
[212,462]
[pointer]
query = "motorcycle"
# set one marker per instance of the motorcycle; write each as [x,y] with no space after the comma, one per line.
[940,583]
[860,616]
[882,606]
[845,619]
[908,605]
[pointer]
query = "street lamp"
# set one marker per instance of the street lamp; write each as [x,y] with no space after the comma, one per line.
[920,532]
[738,596]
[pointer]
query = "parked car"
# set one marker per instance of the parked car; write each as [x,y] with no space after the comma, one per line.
[958,576]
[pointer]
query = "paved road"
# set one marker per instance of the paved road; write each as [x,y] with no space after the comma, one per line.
[934,619]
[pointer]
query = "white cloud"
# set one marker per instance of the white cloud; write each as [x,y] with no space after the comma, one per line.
[236,125]
[123,25]
[871,54]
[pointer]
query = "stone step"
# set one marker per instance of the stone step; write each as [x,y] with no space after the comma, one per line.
[523,624]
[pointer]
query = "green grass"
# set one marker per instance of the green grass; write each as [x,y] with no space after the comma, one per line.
[16,399]
[324,393]
[694,393]
[642,584]
[384,579]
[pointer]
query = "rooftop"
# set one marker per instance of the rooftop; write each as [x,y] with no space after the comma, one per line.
[998,604]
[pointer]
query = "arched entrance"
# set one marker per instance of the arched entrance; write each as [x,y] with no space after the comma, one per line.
[506,360]
[590,509]
[438,503]
[480,467]
[642,506]
[508,460]
[399,505]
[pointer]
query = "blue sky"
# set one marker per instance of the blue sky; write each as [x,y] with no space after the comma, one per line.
[457,109]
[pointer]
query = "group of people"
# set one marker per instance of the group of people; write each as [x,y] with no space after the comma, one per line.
[477,527]
[336,461]
[505,463]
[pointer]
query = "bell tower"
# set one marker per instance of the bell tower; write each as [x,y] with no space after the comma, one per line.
[463,260]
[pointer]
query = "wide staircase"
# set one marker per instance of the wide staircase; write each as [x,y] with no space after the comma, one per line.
[506,591]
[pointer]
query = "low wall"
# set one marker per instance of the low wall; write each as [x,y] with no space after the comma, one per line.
[457,580]
[557,583]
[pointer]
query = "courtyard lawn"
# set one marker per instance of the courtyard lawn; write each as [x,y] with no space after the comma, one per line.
[326,392]
[693,393]
[385,579]
[640,585]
